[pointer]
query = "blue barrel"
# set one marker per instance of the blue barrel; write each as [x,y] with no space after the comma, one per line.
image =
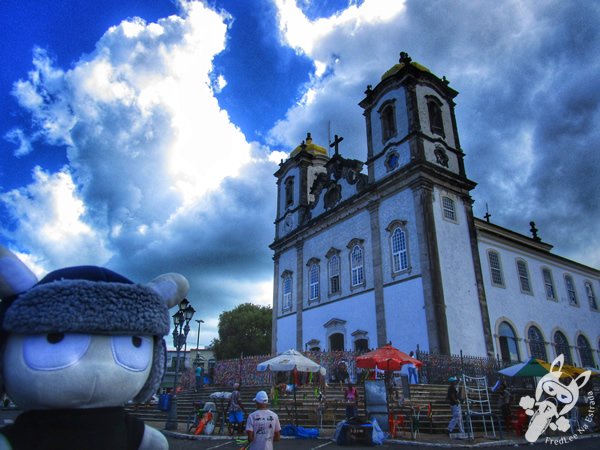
[164,401]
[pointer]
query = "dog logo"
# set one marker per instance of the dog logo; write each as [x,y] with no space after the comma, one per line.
[558,400]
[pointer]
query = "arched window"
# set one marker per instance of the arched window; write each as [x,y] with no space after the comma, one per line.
[585,352]
[336,342]
[549,284]
[509,348]
[286,304]
[334,274]
[289,191]
[448,208]
[388,121]
[356,266]
[436,122]
[571,293]
[313,282]
[589,292]
[495,268]
[561,344]
[399,250]
[537,346]
[523,272]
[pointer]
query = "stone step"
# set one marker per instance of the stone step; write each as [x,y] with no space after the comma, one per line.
[307,403]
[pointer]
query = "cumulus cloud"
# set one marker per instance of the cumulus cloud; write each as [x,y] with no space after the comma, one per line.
[158,178]
[528,119]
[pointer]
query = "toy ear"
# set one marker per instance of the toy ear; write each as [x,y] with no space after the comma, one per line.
[15,276]
[560,359]
[171,287]
[585,376]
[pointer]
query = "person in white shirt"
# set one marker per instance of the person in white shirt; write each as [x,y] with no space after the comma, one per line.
[262,426]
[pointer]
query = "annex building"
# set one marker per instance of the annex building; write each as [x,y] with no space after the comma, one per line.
[394,253]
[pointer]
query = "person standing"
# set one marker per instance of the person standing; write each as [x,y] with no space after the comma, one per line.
[198,378]
[412,371]
[504,403]
[235,410]
[351,398]
[262,427]
[454,402]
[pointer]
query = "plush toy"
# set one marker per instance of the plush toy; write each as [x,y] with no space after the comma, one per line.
[77,346]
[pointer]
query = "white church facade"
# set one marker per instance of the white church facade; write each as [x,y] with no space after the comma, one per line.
[395,254]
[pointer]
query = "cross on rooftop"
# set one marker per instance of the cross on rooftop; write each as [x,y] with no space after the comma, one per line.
[336,141]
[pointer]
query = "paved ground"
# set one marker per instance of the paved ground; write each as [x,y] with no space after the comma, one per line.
[181,441]
[314,444]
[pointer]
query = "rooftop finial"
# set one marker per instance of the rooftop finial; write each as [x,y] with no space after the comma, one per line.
[308,138]
[534,231]
[404,58]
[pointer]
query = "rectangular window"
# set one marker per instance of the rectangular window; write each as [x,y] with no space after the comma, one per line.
[523,277]
[550,294]
[287,294]
[589,290]
[314,283]
[449,209]
[334,275]
[571,294]
[495,269]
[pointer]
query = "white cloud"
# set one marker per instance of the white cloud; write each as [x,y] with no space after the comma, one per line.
[158,178]
[17,136]
[52,221]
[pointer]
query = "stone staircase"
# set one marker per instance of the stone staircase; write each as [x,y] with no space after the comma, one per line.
[307,406]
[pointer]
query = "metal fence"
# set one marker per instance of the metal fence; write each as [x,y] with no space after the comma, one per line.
[436,368]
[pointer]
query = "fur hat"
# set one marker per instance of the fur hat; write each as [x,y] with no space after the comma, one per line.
[95,300]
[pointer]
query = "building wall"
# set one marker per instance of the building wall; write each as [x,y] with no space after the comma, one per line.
[405,318]
[458,278]
[520,310]
[286,338]
[358,311]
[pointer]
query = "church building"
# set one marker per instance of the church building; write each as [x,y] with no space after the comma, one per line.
[394,254]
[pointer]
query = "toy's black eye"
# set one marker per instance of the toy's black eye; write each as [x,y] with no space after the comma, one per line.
[136,341]
[55,338]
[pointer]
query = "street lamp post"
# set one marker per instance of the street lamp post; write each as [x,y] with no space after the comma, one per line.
[198,340]
[181,322]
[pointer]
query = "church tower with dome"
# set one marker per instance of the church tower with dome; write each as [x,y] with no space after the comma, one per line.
[389,250]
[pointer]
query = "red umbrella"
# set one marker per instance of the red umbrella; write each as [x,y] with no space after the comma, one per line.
[386,358]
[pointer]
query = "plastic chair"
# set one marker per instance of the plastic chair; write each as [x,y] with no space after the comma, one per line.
[518,424]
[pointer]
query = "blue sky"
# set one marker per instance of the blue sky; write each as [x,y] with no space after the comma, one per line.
[143,135]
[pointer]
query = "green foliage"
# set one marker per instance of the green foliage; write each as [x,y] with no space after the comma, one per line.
[246,330]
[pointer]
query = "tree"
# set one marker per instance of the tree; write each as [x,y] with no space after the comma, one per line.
[246,330]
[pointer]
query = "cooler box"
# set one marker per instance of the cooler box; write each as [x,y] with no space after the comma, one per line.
[164,400]
[351,433]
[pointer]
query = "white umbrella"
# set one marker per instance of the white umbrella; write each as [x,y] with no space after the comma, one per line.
[288,361]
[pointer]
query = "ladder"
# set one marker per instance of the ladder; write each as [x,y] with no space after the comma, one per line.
[477,401]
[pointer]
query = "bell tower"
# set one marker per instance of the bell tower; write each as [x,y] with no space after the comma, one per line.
[413,144]
[295,178]
[410,118]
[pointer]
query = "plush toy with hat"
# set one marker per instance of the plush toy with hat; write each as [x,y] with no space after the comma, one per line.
[76,346]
